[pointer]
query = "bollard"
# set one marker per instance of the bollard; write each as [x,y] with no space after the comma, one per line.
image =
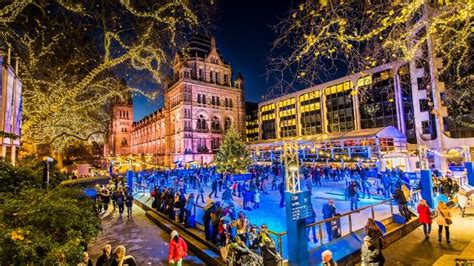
[426,184]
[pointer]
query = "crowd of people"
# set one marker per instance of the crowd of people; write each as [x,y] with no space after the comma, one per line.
[117,194]
[117,258]
[176,193]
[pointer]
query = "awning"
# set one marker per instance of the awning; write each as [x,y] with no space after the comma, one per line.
[381,132]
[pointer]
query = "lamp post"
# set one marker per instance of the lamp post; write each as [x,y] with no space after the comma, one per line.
[47,160]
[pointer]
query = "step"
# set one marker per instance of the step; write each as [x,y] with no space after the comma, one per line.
[206,251]
[346,250]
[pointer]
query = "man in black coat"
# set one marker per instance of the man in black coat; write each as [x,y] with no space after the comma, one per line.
[402,201]
[106,258]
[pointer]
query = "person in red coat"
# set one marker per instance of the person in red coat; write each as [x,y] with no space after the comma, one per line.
[424,217]
[178,249]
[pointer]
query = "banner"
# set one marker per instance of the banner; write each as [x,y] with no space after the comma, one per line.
[17,110]
[8,107]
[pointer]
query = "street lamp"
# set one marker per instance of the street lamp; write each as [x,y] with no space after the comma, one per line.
[47,160]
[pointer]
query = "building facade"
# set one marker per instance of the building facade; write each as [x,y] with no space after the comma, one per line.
[391,95]
[409,96]
[11,87]
[201,102]
[251,121]
[120,127]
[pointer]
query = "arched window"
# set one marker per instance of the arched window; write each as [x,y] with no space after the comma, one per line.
[228,123]
[201,123]
[124,142]
[215,125]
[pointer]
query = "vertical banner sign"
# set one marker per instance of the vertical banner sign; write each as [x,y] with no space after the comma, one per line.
[17,110]
[7,126]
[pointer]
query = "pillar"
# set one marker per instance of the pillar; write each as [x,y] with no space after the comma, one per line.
[470,173]
[296,233]
[426,183]
[130,180]
[13,155]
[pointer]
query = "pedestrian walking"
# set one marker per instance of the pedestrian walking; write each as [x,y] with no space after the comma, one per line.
[120,199]
[329,211]
[256,199]
[242,226]
[200,192]
[373,245]
[189,218]
[327,259]
[121,258]
[269,253]
[85,260]
[129,204]
[177,249]
[353,193]
[443,220]
[214,189]
[106,258]
[462,201]
[402,202]
[424,217]
[281,189]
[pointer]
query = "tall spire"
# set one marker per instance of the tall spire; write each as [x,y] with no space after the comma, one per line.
[213,44]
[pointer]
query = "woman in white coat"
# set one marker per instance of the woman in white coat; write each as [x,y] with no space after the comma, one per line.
[462,201]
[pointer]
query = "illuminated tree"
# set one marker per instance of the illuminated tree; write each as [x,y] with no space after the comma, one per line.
[323,39]
[73,56]
[233,156]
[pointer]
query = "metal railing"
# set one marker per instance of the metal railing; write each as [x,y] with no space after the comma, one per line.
[414,198]
[370,212]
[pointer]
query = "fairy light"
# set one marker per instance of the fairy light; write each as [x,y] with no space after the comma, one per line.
[70,103]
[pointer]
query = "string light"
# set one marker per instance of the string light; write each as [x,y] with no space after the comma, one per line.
[317,37]
[69,102]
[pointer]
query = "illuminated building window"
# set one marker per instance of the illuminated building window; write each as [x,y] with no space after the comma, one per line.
[310,113]
[287,113]
[339,106]
[267,116]
[377,104]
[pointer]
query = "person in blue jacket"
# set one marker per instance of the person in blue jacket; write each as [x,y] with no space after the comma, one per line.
[329,211]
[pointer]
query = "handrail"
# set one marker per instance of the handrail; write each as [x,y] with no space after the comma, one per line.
[356,211]
[320,223]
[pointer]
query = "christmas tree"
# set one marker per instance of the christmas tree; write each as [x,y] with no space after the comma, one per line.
[232,156]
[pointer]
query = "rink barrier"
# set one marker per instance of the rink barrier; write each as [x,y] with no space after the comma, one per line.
[414,198]
[278,236]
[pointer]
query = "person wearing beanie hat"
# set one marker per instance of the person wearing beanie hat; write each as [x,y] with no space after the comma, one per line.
[178,249]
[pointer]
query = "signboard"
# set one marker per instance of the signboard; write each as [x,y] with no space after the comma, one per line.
[457,168]
[301,206]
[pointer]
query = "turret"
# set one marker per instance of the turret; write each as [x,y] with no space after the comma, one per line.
[239,81]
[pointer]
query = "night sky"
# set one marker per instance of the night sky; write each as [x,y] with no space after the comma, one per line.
[244,38]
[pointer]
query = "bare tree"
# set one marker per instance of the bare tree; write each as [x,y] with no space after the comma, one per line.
[320,40]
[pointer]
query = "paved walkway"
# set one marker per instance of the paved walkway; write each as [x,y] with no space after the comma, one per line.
[144,240]
[413,249]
